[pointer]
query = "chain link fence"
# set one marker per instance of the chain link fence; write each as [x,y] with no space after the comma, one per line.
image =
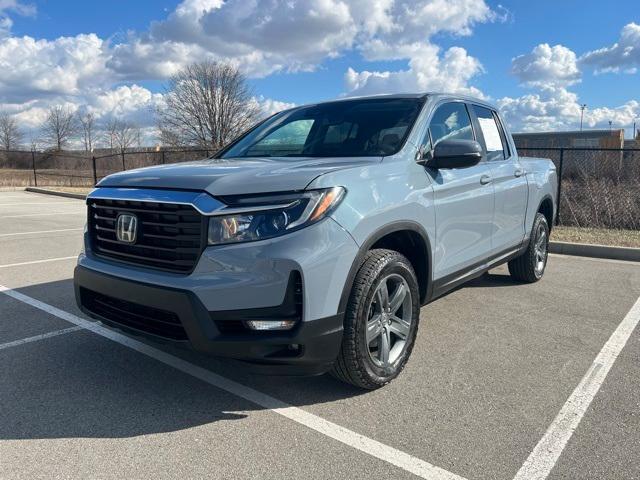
[598,188]
[20,168]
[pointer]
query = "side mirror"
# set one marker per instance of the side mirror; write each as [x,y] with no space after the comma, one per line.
[455,154]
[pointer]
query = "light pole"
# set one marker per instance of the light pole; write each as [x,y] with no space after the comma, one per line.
[582,107]
[610,126]
[634,130]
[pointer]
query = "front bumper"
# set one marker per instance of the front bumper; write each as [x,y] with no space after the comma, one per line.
[309,348]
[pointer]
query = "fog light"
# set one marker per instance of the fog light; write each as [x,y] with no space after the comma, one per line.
[270,324]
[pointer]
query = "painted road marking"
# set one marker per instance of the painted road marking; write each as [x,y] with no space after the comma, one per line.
[53,202]
[38,338]
[41,214]
[34,262]
[39,232]
[544,457]
[348,437]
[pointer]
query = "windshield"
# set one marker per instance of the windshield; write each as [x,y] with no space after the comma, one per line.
[349,128]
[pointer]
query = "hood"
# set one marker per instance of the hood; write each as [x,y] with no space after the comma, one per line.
[235,176]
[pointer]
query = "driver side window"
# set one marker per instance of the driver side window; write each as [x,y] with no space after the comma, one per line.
[451,121]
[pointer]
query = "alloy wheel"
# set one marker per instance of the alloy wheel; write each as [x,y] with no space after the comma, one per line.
[389,320]
[540,249]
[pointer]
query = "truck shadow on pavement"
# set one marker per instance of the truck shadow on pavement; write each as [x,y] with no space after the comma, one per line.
[83,385]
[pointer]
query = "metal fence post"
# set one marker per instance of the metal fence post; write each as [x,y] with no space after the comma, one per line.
[33,164]
[560,185]
[124,167]
[95,172]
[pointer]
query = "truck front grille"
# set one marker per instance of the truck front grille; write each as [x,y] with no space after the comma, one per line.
[132,315]
[170,237]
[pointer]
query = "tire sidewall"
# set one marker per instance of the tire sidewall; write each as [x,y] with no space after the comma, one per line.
[395,264]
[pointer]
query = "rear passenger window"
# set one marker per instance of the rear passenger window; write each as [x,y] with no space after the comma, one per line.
[493,139]
[450,122]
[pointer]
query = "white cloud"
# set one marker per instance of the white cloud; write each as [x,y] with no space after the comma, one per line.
[403,31]
[17,6]
[13,6]
[547,66]
[407,25]
[266,36]
[133,103]
[66,65]
[429,71]
[559,109]
[550,71]
[622,56]
[268,106]
[261,37]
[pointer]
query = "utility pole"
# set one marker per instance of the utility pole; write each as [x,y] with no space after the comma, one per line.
[634,130]
[582,107]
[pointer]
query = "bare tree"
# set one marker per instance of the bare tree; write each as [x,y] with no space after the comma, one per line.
[88,125]
[10,134]
[35,142]
[122,134]
[59,127]
[206,104]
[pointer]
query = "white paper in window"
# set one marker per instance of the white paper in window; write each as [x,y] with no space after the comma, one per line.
[491,134]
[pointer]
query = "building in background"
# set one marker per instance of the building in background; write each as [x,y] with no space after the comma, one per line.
[576,139]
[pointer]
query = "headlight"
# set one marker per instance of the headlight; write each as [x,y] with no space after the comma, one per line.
[263,220]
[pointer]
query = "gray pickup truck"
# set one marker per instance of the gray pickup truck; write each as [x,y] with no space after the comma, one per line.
[310,243]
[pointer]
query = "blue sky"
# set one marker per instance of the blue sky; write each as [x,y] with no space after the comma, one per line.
[565,49]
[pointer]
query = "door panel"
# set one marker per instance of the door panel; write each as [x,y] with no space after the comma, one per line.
[463,197]
[509,179]
[511,204]
[464,218]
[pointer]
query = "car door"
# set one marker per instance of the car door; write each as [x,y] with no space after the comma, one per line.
[463,199]
[509,180]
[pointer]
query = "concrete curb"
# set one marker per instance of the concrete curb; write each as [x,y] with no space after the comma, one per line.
[597,251]
[78,196]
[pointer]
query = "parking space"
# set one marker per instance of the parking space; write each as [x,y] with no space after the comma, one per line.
[494,366]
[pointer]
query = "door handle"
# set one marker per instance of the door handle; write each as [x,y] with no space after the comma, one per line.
[519,172]
[485,179]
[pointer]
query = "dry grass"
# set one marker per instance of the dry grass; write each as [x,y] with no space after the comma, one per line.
[597,236]
[58,177]
[15,178]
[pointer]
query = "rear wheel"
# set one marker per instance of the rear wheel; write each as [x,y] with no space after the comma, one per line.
[530,266]
[381,321]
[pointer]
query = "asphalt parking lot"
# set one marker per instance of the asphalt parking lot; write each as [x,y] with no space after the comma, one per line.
[506,380]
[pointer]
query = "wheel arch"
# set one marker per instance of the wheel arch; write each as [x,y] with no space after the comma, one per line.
[546,208]
[396,236]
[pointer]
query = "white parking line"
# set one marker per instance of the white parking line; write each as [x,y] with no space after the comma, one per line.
[37,338]
[53,202]
[34,262]
[41,231]
[355,440]
[544,457]
[42,214]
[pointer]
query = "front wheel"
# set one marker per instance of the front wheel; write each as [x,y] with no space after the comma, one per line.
[530,266]
[381,321]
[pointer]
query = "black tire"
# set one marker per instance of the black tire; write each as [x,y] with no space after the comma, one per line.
[526,268]
[354,364]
